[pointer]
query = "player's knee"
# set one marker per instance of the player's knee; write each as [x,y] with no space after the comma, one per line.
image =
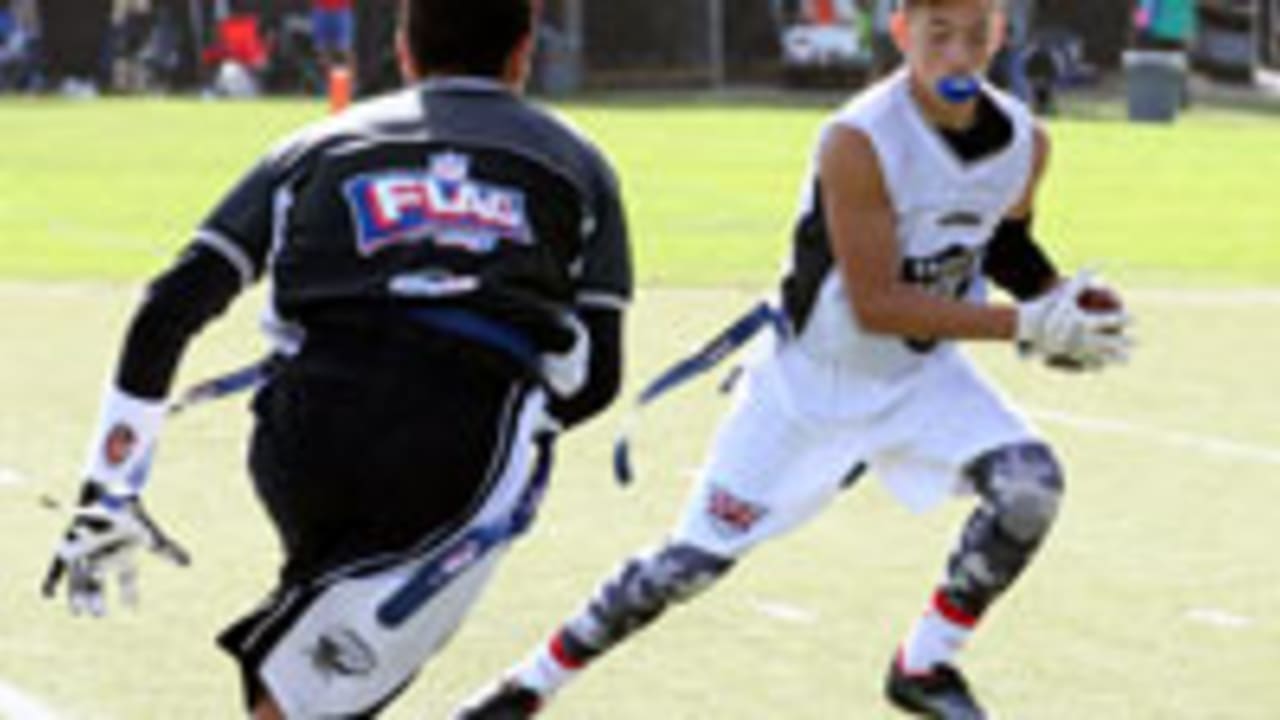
[1024,484]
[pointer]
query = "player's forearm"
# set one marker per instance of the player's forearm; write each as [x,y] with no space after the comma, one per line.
[907,311]
[178,304]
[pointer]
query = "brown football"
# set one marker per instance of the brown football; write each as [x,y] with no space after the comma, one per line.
[1098,299]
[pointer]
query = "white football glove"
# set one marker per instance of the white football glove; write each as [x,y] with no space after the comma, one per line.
[566,372]
[104,533]
[1058,328]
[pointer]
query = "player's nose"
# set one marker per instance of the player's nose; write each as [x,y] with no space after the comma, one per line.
[959,58]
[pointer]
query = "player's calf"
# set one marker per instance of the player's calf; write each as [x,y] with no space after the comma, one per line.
[634,596]
[639,592]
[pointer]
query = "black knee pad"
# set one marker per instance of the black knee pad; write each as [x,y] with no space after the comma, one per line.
[1023,485]
[1021,488]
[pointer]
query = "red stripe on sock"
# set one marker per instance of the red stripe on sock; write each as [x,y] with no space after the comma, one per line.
[562,656]
[951,613]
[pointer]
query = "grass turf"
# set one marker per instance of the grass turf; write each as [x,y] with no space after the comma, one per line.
[111,189]
[1155,597]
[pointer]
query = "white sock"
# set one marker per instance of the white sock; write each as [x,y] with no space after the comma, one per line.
[548,668]
[937,637]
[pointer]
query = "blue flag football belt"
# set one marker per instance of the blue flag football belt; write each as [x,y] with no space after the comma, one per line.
[236,381]
[481,330]
[711,354]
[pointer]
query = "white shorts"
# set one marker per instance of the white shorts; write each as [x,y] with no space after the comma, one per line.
[773,466]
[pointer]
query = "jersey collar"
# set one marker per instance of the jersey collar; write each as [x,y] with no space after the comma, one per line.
[464,83]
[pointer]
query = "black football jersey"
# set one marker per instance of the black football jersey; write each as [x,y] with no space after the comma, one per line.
[453,192]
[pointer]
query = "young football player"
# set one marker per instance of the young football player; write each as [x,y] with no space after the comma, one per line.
[922,189]
[449,268]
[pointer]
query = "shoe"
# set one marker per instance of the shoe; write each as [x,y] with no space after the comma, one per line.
[506,700]
[941,694]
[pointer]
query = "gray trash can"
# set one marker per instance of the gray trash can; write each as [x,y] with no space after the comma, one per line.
[1155,81]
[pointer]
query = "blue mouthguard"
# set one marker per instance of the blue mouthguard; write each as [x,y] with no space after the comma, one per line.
[958,89]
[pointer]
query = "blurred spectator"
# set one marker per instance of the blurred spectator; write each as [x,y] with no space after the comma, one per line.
[75,34]
[375,26]
[238,55]
[295,66]
[1008,69]
[884,51]
[131,22]
[19,62]
[332,31]
[1164,24]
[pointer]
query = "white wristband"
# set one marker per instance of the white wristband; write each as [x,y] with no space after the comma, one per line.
[121,446]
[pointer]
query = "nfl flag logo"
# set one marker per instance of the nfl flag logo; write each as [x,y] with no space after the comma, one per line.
[441,205]
[450,166]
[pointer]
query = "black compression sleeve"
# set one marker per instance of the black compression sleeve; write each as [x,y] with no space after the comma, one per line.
[604,377]
[177,305]
[1016,263]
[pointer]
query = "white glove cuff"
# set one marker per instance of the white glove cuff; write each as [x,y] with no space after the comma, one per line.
[121,447]
[565,373]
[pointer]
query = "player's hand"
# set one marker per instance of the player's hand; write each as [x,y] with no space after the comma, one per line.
[100,544]
[1079,325]
[1102,346]
[566,372]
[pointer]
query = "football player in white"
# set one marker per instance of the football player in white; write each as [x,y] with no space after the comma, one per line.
[922,190]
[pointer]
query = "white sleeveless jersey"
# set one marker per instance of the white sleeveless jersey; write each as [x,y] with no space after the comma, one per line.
[946,209]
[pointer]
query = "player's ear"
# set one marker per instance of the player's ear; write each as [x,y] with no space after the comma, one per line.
[519,62]
[409,69]
[899,30]
[999,26]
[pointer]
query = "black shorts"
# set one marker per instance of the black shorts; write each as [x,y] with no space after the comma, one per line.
[367,451]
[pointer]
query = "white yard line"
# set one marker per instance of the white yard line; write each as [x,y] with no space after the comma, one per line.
[18,705]
[783,612]
[1207,444]
[1223,297]
[10,477]
[1216,617]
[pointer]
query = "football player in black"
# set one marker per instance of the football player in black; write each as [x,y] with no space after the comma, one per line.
[449,269]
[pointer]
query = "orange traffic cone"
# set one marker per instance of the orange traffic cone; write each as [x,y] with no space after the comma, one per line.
[339,88]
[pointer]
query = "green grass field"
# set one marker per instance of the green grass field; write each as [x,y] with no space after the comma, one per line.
[1154,599]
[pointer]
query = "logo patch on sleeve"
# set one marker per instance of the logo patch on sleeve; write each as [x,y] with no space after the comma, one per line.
[442,204]
[119,444]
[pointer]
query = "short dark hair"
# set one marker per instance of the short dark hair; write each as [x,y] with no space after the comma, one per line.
[469,37]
